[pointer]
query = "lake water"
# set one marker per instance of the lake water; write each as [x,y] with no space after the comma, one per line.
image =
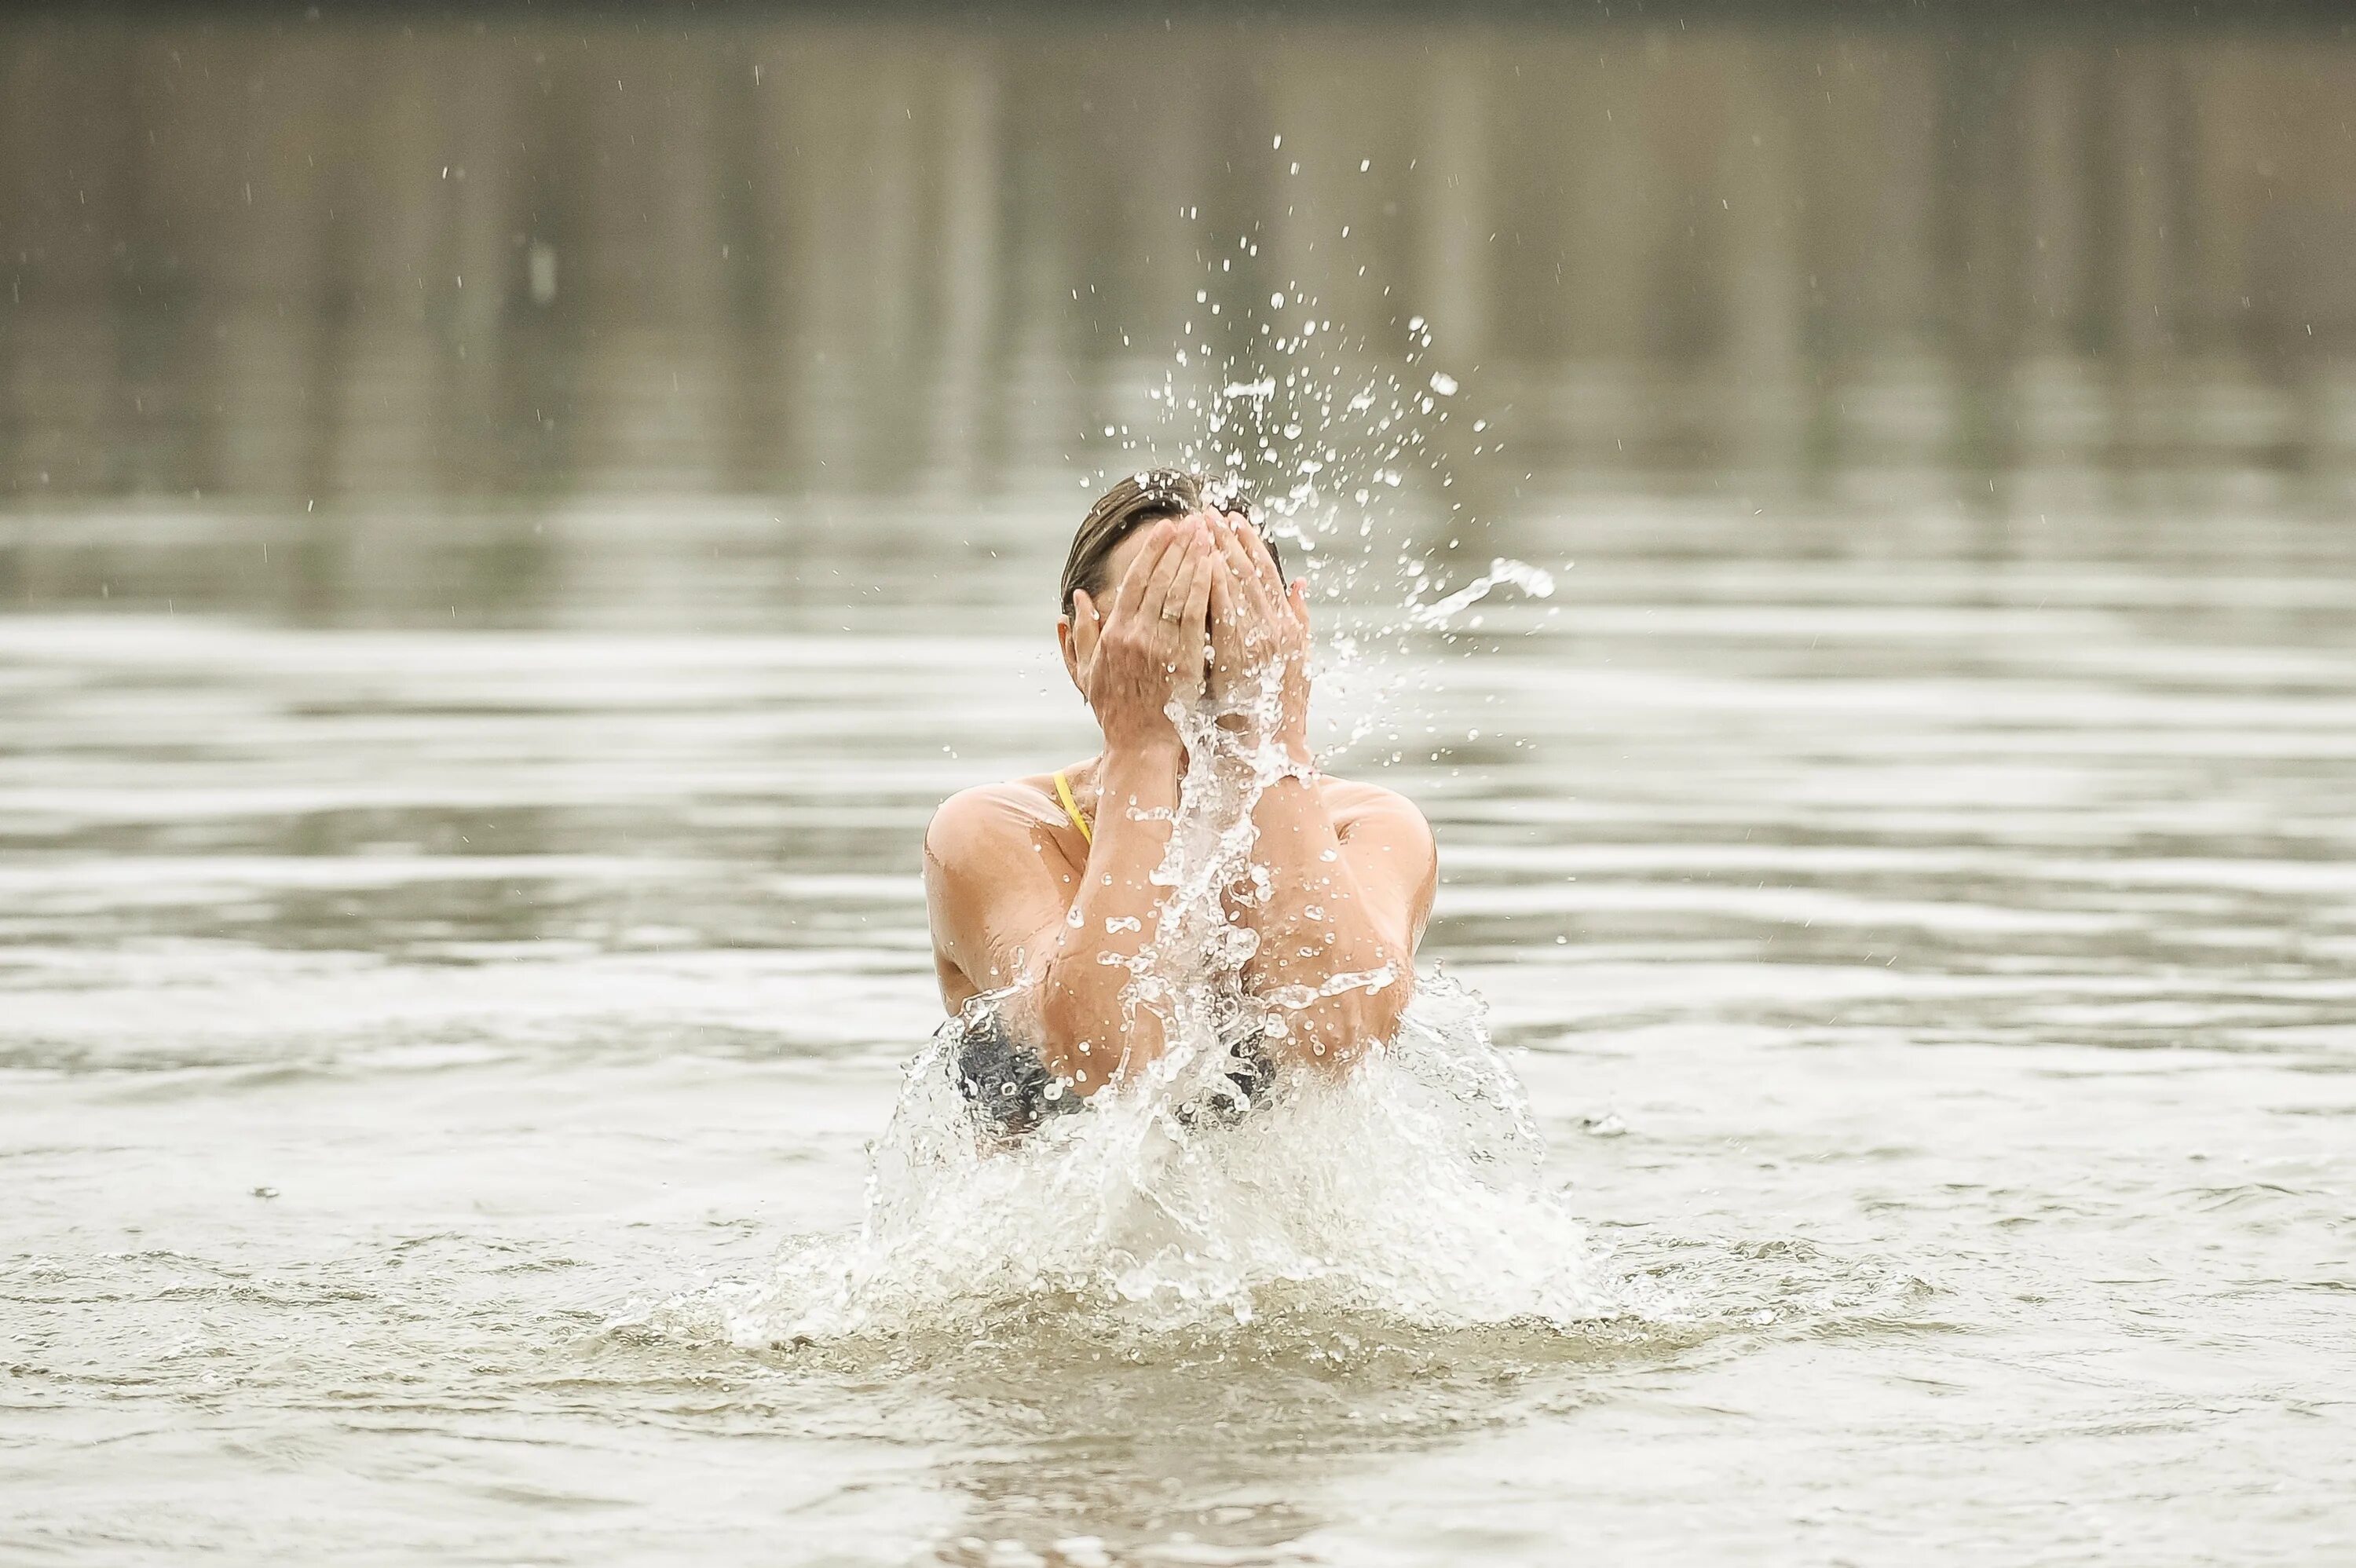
[509,525]
[1937,964]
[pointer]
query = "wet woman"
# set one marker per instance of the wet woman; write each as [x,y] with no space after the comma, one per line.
[1044,883]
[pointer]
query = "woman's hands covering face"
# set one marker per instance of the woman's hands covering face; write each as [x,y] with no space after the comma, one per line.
[1202,602]
[1259,634]
[1149,644]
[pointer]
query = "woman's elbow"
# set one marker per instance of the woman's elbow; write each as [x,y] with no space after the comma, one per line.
[1088,1044]
[1383,1004]
[1365,1016]
[1064,1029]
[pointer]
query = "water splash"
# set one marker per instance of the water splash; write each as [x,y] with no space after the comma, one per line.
[1354,440]
[1537,583]
[1408,1190]
[1221,1184]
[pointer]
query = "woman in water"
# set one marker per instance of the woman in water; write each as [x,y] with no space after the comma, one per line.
[1045,884]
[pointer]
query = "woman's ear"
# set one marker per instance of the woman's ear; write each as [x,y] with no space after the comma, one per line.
[1077,634]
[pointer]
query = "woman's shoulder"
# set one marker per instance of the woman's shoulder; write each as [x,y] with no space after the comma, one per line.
[1358,798]
[986,815]
[1363,812]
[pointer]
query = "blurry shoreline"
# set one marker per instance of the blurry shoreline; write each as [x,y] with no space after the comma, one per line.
[541,253]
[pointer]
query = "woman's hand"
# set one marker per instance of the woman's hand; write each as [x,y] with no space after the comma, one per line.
[1240,639]
[1259,631]
[1149,646]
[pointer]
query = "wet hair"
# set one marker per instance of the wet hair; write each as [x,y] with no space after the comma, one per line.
[1140,499]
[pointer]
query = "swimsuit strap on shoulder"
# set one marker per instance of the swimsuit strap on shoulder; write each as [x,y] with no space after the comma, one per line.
[1072,808]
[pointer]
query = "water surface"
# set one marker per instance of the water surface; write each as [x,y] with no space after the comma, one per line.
[509,522]
[1936,966]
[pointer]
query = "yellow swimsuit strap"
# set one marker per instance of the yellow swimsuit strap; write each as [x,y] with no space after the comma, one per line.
[1072,808]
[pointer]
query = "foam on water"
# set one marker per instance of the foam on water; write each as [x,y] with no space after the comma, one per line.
[1408,1189]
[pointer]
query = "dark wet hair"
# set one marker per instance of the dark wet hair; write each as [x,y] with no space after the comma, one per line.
[1140,499]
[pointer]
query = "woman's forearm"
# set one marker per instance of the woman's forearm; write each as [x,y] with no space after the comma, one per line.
[1337,973]
[1316,932]
[1092,1033]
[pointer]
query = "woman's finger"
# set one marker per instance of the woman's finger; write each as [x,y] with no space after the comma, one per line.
[1239,523]
[1085,624]
[1265,560]
[1299,599]
[1239,560]
[1246,592]
[1189,557]
[1130,598]
[1194,617]
[1153,599]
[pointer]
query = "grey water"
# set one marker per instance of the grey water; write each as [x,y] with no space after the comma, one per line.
[458,859]
[1942,969]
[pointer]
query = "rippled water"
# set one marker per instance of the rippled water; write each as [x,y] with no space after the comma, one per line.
[1932,952]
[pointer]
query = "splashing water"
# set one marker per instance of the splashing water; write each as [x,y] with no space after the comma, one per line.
[1531,580]
[1349,439]
[1407,1189]
[1215,1187]
[1218,1188]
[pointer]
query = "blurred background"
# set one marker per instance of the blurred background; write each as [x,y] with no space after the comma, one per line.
[463,309]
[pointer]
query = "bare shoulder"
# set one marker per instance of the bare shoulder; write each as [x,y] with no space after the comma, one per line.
[994,876]
[1389,845]
[985,821]
[1354,806]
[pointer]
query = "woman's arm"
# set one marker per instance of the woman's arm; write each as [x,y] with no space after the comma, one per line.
[1081,951]
[1092,1030]
[1339,923]
[1338,917]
